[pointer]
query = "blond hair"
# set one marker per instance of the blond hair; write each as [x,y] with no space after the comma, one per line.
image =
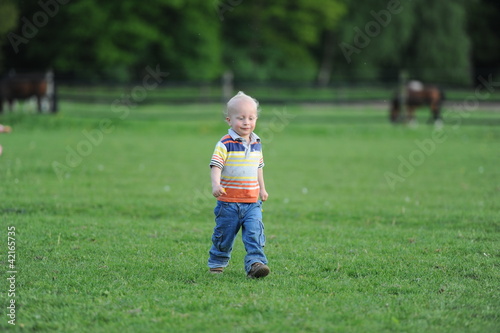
[233,103]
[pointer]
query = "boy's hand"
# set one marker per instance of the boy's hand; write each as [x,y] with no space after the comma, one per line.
[218,190]
[263,195]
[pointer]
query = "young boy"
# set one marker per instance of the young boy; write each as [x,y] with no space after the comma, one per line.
[237,182]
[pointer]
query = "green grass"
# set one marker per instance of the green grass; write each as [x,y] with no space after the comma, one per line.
[120,242]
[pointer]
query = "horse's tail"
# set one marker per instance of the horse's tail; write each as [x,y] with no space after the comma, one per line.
[55,104]
[395,108]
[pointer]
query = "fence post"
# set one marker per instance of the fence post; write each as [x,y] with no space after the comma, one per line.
[227,85]
[402,95]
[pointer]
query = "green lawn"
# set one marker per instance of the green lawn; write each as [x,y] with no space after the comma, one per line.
[113,218]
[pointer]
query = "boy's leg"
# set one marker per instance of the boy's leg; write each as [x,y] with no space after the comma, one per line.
[253,236]
[226,228]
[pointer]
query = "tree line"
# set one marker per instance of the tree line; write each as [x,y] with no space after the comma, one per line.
[284,40]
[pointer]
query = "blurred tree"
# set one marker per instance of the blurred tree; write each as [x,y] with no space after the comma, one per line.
[9,16]
[483,28]
[118,39]
[371,39]
[276,40]
[439,49]
[280,40]
[427,38]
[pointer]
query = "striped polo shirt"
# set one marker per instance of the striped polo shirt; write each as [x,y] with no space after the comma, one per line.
[239,162]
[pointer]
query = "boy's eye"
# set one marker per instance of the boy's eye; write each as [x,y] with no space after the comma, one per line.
[243,118]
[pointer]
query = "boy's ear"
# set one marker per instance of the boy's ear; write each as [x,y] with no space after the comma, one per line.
[228,121]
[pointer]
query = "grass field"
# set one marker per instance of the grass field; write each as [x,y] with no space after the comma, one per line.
[370,227]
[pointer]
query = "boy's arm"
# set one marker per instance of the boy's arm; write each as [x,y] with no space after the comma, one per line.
[217,189]
[262,185]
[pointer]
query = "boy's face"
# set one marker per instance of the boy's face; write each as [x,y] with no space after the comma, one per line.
[243,119]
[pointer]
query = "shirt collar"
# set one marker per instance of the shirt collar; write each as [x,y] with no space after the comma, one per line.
[235,136]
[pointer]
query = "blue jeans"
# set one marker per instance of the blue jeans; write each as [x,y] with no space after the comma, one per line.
[229,218]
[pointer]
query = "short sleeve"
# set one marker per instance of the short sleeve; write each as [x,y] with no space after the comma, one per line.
[219,156]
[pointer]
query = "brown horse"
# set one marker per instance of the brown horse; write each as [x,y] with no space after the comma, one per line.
[21,86]
[414,96]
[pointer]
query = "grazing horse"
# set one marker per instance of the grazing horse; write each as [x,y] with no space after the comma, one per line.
[21,86]
[416,95]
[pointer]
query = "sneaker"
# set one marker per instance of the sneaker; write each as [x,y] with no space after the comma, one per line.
[217,270]
[258,270]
